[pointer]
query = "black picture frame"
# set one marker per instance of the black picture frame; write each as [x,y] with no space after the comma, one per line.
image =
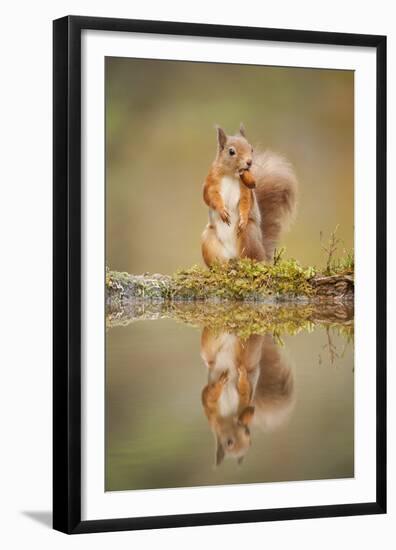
[67,273]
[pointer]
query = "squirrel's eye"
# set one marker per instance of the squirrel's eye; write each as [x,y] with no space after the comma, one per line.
[231,150]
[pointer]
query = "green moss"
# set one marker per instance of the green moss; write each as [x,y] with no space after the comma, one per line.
[246,279]
[342,266]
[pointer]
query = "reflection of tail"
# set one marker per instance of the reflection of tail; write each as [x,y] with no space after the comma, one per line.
[274,396]
[276,194]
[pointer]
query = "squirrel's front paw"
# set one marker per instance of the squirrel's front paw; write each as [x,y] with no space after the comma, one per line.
[223,378]
[225,216]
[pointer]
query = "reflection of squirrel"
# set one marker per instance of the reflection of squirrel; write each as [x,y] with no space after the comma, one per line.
[249,382]
[252,197]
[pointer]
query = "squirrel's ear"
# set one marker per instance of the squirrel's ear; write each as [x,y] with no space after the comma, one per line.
[242,130]
[221,138]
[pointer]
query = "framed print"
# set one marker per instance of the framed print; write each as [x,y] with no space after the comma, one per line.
[219,274]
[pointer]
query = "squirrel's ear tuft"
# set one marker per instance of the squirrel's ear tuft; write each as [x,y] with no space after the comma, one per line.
[221,138]
[242,130]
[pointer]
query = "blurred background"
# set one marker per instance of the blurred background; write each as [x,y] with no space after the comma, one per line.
[161,140]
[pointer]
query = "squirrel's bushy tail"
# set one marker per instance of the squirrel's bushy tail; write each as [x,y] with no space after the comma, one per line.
[276,194]
[275,394]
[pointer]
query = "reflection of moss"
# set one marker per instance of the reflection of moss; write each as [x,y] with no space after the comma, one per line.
[242,319]
[346,331]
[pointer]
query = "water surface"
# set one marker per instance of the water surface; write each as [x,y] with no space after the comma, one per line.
[294,422]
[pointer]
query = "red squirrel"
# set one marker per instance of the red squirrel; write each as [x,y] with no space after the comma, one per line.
[250,383]
[252,198]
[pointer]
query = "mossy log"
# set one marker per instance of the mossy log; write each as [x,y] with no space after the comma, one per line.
[243,281]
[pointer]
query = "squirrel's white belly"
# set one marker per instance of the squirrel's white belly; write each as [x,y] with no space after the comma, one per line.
[226,361]
[227,234]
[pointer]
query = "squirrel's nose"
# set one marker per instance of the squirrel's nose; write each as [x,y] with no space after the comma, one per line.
[249,163]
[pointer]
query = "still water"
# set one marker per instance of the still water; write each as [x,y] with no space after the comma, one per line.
[193,405]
